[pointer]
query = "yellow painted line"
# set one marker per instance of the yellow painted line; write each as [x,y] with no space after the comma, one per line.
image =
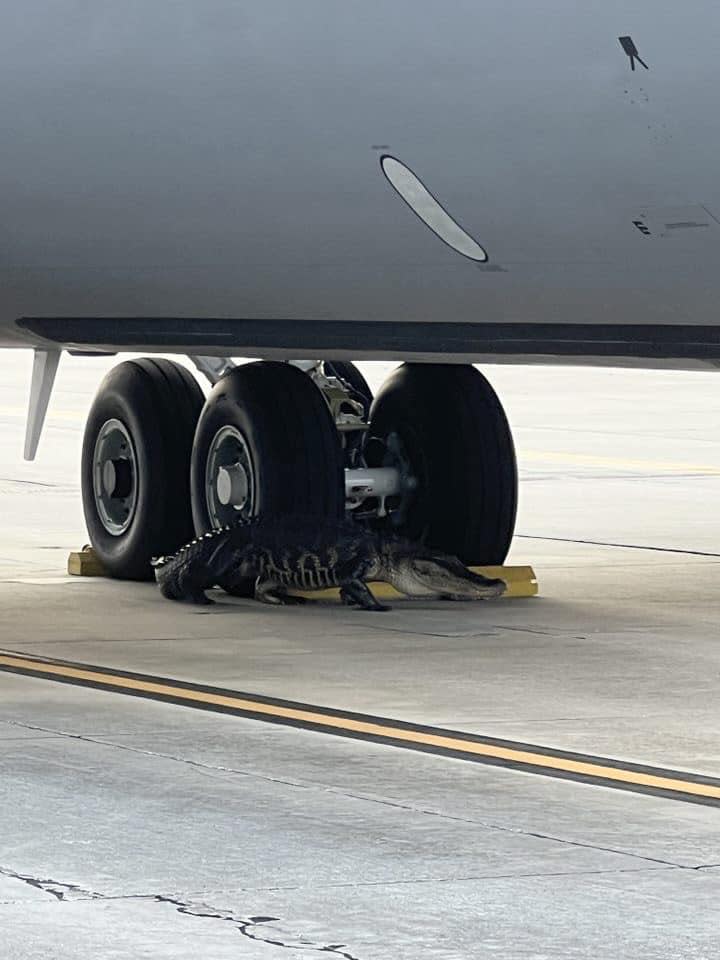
[625,463]
[522,756]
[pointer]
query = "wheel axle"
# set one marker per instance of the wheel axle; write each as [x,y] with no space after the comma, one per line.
[376,483]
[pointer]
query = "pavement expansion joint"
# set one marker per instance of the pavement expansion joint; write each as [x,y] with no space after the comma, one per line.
[510,754]
[365,798]
[621,546]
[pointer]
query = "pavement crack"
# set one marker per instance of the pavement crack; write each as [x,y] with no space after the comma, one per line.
[57,889]
[531,630]
[253,928]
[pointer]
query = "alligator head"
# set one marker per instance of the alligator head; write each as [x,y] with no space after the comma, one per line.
[436,575]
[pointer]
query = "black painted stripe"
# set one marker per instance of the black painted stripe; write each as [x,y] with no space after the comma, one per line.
[628,340]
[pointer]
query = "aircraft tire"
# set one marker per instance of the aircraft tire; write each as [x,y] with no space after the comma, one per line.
[138,436]
[454,438]
[272,420]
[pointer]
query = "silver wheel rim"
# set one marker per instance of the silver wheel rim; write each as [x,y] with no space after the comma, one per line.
[115,477]
[229,478]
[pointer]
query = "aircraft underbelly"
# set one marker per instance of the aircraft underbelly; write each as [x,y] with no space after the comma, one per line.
[224,159]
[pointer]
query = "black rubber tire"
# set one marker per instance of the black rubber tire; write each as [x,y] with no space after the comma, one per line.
[457,438]
[291,436]
[159,402]
[348,372]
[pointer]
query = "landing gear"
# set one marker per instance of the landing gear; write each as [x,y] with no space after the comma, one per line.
[442,426]
[136,464]
[431,457]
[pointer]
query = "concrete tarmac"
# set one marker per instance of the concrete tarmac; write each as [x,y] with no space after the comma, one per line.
[133,828]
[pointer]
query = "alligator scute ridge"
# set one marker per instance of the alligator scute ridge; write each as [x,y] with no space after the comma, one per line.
[314,553]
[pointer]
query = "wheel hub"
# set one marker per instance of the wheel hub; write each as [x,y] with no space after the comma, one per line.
[232,485]
[115,477]
[229,477]
[389,458]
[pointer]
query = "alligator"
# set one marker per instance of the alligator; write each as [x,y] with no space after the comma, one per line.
[312,553]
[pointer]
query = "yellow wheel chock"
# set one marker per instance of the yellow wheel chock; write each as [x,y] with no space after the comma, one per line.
[521,581]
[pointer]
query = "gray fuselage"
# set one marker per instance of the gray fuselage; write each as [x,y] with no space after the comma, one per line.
[220,159]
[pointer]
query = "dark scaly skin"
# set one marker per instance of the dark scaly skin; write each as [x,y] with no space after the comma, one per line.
[291,553]
[311,553]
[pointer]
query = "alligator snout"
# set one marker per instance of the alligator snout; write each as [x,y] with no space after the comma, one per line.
[443,577]
[484,588]
[492,588]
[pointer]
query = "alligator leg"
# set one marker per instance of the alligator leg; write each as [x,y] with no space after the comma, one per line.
[200,598]
[355,592]
[270,591]
[185,588]
[288,600]
[193,595]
